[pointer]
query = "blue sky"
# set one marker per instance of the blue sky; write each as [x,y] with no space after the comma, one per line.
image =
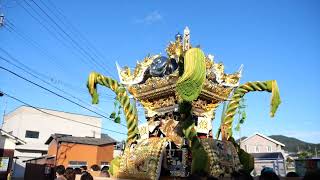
[273,39]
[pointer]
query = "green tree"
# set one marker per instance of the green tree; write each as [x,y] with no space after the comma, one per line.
[304,155]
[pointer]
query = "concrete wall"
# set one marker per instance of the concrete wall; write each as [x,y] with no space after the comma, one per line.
[7,143]
[26,118]
[23,155]
[256,144]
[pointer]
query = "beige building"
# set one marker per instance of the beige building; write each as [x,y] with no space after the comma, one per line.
[259,143]
[266,151]
[35,127]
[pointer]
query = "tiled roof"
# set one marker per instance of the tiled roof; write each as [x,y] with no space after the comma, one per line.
[266,156]
[81,140]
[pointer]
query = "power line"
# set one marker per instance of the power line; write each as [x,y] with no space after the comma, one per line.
[67,99]
[69,36]
[38,109]
[72,47]
[54,80]
[51,79]
[64,20]
[30,73]
[13,29]
[30,41]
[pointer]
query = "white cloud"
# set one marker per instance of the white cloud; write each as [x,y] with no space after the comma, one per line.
[150,18]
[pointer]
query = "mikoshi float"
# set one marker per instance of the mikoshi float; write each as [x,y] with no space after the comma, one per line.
[179,93]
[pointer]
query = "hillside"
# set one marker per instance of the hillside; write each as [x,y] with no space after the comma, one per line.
[293,144]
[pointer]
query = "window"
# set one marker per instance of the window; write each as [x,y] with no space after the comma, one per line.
[257,149]
[77,164]
[269,148]
[246,148]
[32,134]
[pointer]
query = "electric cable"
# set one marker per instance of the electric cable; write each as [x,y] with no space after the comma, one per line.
[44,88]
[69,36]
[59,89]
[64,20]
[38,109]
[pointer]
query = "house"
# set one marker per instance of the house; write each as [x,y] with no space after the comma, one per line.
[266,151]
[34,127]
[259,143]
[8,144]
[72,151]
[274,160]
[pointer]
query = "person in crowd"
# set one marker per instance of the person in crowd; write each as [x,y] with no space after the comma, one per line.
[77,170]
[241,175]
[86,176]
[83,169]
[105,172]
[70,174]
[292,174]
[60,170]
[268,174]
[95,168]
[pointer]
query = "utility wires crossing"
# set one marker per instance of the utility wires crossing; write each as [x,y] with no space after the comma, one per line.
[61,96]
[69,119]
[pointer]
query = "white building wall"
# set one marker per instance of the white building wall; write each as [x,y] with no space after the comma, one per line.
[7,143]
[26,118]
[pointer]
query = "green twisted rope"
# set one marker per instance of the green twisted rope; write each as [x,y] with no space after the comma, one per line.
[122,96]
[199,155]
[269,86]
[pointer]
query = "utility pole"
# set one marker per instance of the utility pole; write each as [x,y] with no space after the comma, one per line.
[4,107]
[1,20]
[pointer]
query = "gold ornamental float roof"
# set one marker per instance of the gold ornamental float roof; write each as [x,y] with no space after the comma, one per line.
[218,84]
